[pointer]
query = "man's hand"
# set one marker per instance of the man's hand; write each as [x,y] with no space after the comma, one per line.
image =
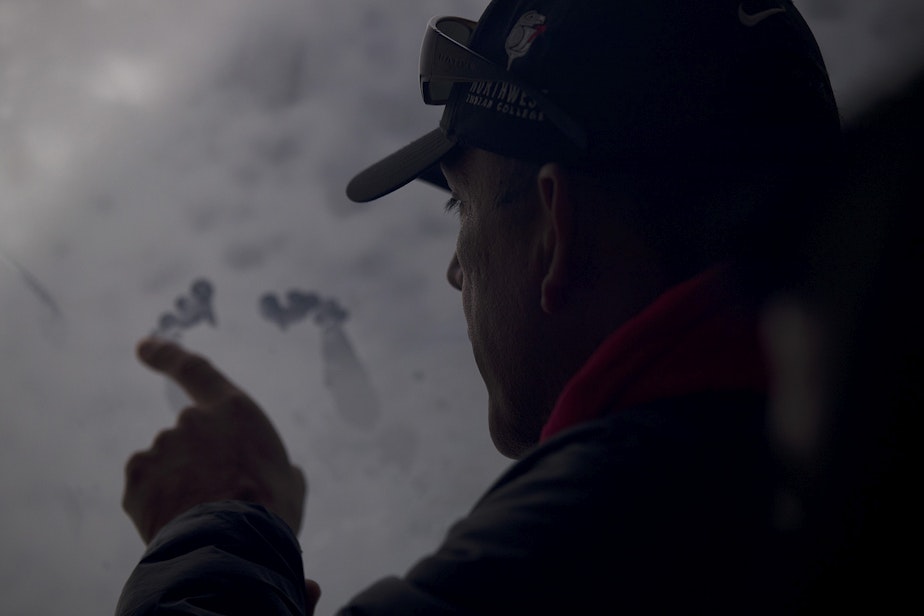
[222,447]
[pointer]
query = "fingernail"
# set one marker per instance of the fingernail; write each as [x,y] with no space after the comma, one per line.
[147,347]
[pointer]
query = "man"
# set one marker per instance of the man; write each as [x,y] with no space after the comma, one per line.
[610,162]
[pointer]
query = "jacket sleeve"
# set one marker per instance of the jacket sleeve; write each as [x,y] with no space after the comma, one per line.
[225,558]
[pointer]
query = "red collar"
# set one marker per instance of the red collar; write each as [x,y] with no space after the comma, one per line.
[691,339]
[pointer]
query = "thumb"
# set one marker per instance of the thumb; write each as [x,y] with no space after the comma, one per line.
[312,594]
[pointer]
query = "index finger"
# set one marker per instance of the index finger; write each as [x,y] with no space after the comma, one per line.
[201,381]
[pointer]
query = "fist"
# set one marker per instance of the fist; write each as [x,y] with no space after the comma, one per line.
[223,447]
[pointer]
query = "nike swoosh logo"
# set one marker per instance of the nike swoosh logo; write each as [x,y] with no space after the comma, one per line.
[752,20]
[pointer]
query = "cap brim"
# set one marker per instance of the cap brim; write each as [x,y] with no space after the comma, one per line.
[418,159]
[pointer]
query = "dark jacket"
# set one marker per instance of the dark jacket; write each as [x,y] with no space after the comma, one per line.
[658,509]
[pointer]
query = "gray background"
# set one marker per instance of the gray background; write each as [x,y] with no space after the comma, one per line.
[144,145]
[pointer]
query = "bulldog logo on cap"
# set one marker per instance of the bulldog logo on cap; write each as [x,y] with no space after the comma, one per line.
[527,29]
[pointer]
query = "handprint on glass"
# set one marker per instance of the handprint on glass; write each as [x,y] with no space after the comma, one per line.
[298,306]
[344,374]
[190,310]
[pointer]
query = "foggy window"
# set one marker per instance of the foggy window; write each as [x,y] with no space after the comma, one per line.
[178,169]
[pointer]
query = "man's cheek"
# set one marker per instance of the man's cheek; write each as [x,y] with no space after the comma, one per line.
[467,306]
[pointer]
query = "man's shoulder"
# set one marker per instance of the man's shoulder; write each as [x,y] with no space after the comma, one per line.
[701,430]
[669,467]
[672,491]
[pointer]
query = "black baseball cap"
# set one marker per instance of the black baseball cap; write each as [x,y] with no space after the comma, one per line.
[647,82]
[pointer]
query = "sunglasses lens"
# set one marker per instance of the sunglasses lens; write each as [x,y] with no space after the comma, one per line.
[443,58]
[436,92]
[457,30]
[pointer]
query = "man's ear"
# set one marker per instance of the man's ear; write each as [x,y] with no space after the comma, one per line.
[556,199]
